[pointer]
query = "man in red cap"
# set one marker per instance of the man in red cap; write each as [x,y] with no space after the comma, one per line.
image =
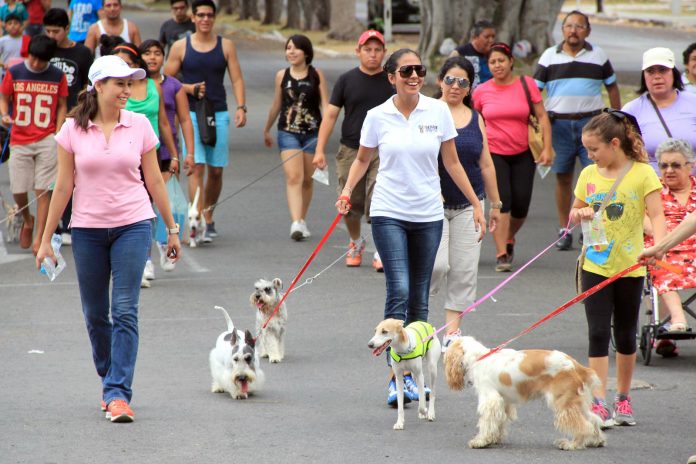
[358,90]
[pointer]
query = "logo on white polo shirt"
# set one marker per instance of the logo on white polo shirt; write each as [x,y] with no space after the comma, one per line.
[427,128]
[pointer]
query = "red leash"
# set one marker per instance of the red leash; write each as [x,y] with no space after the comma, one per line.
[580,297]
[306,264]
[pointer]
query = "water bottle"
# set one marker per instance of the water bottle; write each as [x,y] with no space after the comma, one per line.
[47,267]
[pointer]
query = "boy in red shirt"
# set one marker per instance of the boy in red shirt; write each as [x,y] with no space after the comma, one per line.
[38,94]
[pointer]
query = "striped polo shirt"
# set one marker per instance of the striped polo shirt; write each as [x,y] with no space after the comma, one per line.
[574,83]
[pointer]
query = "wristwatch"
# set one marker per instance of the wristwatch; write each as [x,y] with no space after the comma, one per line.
[242,107]
[496,205]
[174,230]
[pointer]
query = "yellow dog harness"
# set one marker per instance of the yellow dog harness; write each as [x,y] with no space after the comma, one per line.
[418,332]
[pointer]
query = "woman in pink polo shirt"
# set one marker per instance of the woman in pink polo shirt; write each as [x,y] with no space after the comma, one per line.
[100,149]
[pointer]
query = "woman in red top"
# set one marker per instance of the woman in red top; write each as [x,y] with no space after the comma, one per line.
[675,158]
[503,104]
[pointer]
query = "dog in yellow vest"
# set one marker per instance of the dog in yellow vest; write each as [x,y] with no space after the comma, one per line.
[409,345]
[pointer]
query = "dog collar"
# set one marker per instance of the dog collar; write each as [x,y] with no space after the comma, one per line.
[417,332]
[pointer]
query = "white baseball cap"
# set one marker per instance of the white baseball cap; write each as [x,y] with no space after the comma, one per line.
[112,66]
[658,56]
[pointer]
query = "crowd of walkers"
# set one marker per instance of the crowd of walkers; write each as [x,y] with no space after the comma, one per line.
[421,170]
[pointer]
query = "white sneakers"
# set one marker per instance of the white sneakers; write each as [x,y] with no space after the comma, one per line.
[299,230]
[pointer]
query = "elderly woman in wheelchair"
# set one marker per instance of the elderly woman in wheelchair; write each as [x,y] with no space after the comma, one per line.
[675,159]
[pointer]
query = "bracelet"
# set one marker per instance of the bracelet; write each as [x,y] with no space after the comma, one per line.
[175,159]
[350,190]
[190,154]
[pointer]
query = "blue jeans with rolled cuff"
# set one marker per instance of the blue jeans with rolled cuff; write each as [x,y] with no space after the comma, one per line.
[115,256]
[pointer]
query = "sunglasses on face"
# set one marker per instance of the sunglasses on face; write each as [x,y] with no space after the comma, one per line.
[407,71]
[462,82]
[675,166]
[577,27]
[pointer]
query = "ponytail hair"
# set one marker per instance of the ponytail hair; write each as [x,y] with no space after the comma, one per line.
[86,108]
[613,124]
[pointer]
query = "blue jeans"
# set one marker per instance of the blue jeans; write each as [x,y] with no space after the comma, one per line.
[407,250]
[117,255]
[566,136]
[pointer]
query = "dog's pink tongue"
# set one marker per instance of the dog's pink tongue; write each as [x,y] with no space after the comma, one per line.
[245,386]
[259,304]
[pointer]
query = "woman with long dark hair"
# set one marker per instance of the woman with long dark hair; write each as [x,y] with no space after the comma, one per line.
[300,98]
[410,130]
[101,148]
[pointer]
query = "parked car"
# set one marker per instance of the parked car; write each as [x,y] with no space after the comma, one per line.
[403,12]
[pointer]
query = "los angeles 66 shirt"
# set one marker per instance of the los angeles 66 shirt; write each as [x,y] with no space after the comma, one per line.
[34,98]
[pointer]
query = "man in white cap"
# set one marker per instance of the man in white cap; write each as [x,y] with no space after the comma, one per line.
[358,91]
[573,73]
[663,110]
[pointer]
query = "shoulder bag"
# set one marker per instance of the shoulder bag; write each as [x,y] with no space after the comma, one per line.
[659,116]
[535,134]
[607,198]
[205,119]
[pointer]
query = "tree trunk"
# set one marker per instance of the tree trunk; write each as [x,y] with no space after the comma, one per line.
[274,8]
[250,10]
[323,14]
[308,9]
[532,20]
[344,25]
[294,15]
[225,6]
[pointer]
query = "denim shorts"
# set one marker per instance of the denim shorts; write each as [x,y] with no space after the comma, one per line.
[566,136]
[290,141]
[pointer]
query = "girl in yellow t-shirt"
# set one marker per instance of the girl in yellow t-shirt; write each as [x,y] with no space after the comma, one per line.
[613,143]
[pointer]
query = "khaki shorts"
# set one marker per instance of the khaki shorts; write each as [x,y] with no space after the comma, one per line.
[362,192]
[33,166]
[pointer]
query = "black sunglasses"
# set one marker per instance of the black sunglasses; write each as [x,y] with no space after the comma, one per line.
[407,71]
[614,211]
[675,166]
[462,82]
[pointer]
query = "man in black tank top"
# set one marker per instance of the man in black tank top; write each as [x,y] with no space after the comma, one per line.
[358,91]
[207,80]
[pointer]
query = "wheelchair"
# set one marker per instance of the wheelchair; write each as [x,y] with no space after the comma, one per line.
[654,328]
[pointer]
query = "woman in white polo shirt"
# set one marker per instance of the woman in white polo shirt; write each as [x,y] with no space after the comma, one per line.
[410,130]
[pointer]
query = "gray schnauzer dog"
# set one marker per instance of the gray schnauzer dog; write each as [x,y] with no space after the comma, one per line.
[264,298]
[234,362]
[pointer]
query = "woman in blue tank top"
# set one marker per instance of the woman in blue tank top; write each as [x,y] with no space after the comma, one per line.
[458,254]
[300,96]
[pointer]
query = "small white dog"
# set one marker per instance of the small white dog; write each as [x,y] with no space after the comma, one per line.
[234,363]
[408,349]
[509,377]
[13,221]
[195,219]
[265,298]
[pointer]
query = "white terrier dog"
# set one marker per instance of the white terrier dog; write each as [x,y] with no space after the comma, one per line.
[509,377]
[196,223]
[13,221]
[234,363]
[265,298]
[408,349]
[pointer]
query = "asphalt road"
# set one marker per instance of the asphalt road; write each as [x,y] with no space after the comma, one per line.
[326,401]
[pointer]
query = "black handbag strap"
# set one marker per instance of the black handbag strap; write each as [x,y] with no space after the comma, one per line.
[529,96]
[659,115]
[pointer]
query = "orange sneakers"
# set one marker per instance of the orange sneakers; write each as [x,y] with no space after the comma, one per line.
[119,411]
[355,252]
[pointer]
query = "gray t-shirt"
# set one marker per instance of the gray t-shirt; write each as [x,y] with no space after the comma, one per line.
[9,48]
[171,31]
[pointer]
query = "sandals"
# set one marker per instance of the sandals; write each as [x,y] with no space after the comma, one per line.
[679,327]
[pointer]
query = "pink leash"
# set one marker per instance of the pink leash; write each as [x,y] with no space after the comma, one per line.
[504,282]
